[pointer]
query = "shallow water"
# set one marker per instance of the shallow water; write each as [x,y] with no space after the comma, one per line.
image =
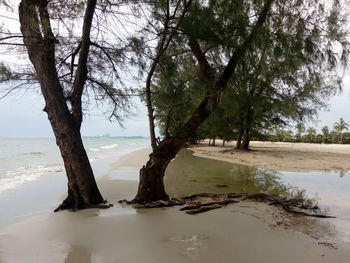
[189,174]
[234,233]
[23,160]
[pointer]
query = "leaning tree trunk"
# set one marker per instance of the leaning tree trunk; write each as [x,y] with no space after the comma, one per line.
[82,188]
[40,43]
[151,184]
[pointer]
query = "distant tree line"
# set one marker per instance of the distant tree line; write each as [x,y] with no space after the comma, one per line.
[301,133]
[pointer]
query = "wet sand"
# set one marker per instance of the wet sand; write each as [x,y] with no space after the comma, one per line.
[247,232]
[279,156]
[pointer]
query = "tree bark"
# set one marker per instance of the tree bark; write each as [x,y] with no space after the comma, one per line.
[246,139]
[239,138]
[40,43]
[151,186]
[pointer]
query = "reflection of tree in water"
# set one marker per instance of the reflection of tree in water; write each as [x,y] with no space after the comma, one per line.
[343,173]
[252,180]
[78,254]
[189,174]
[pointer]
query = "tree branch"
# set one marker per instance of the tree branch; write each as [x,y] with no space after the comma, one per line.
[162,47]
[82,71]
[240,51]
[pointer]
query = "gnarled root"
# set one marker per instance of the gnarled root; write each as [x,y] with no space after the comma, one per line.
[203,202]
[154,204]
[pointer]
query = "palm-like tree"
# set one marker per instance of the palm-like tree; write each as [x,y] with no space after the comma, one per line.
[340,127]
[311,133]
[300,130]
[325,131]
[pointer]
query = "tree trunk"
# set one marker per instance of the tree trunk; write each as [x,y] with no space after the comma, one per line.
[246,139]
[151,185]
[40,43]
[223,142]
[239,139]
[82,188]
[213,142]
[209,144]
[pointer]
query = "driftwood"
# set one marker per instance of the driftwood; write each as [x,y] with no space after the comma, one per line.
[203,202]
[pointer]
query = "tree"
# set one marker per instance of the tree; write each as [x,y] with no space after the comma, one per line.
[325,132]
[272,87]
[300,130]
[214,36]
[63,85]
[284,135]
[340,127]
[311,133]
[151,186]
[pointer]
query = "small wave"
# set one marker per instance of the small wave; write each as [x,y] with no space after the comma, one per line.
[95,150]
[21,175]
[109,146]
[32,153]
[136,143]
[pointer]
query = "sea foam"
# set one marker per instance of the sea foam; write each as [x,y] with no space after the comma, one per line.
[111,146]
[24,174]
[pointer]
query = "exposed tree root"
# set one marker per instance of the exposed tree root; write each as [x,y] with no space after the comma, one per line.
[203,209]
[154,204]
[72,205]
[202,202]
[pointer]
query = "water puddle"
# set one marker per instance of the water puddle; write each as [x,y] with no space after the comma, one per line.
[189,174]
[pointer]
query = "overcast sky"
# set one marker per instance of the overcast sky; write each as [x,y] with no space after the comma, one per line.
[21,115]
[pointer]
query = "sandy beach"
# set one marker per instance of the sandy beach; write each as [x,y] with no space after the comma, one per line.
[296,157]
[248,232]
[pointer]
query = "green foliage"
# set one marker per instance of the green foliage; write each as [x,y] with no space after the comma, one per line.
[107,57]
[6,74]
[289,73]
[339,127]
[335,136]
[325,131]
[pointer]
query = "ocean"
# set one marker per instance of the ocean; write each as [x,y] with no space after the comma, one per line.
[23,160]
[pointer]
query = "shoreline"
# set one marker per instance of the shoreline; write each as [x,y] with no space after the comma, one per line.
[280,156]
[123,234]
